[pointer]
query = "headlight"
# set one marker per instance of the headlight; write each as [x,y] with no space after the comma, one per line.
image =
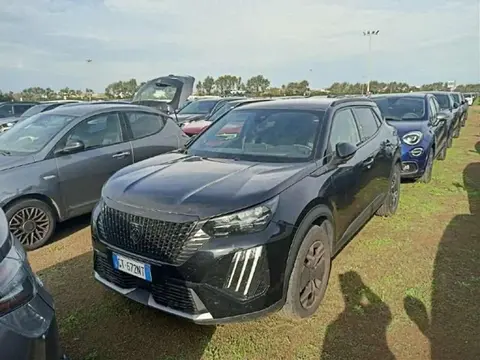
[17,288]
[247,221]
[412,138]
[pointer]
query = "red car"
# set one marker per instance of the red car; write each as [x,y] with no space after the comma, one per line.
[195,127]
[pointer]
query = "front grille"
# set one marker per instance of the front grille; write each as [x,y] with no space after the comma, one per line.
[164,241]
[170,293]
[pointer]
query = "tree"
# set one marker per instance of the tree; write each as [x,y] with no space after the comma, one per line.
[122,89]
[208,84]
[257,85]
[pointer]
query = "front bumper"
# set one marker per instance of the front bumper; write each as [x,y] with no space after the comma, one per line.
[224,280]
[414,160]
[23,346]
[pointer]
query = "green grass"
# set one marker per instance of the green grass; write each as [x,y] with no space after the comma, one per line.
[428,252]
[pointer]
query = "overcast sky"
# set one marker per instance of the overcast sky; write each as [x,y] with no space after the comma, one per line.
[46,42]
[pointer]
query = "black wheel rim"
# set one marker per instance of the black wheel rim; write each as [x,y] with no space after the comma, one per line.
[313,274]
[30,225]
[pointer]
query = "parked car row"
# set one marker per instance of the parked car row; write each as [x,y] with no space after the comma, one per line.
[240,220]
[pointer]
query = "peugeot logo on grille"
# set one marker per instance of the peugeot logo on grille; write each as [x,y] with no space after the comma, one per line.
[136,232]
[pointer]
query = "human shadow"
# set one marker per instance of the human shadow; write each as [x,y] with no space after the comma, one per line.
[97,323]
[359,332]
[453,327]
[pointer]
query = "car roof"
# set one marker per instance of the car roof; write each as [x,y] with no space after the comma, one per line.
[85,109]
[312,104]
[412,94]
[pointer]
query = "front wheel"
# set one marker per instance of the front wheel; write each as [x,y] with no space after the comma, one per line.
[310,274]
[443,154]
[390,204]
[427,174]
[32,222]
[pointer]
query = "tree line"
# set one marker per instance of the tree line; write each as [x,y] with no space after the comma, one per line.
[224,85]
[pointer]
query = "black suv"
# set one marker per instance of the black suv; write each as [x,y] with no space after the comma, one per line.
[236,226]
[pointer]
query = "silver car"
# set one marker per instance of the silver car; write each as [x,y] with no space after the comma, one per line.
[53,164]
[28,329]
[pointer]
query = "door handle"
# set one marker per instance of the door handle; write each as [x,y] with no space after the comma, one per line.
[121,155]
[368,162]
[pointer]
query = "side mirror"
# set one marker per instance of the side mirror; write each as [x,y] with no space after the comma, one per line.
[455,105]
[345,150]
[71,147]
[441,116]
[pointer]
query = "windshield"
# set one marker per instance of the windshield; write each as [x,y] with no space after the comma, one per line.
[33,134]
[402,107]
[263,135]
[199,107]
[443,101]
[35,110]
[156,91]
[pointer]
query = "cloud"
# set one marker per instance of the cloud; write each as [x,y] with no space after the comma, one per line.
[147,38]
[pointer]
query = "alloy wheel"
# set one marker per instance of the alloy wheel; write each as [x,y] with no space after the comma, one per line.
[312,278]
[395,190]
[30,225]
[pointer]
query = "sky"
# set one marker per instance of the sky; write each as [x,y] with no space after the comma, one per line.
[46,42]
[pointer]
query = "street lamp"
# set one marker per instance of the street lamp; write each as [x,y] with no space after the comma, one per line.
[370,33]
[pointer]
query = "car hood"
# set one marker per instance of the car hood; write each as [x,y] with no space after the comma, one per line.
[176,183]
[183,85]
[195,127]
[9,162]
[405,126]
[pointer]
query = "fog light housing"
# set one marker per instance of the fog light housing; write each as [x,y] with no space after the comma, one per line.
[416,152]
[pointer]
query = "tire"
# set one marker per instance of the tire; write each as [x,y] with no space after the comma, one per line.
[450,141]
[32,222]
[443,154]
[456,132]
[427,175]
[303,299]
[464,120]
[390,204]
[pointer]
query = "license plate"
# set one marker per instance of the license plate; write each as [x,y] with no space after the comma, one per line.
[132,267]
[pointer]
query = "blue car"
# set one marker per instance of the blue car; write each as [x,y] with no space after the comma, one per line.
[422,128]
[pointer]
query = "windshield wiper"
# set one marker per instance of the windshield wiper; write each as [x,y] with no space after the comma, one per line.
[389,118]
[5,152]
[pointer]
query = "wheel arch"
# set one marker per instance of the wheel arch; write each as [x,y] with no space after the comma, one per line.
[35,196]
[314,213]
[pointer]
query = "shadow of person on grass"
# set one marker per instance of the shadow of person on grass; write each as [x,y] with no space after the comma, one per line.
[97,323]
[454,324]
[360,331]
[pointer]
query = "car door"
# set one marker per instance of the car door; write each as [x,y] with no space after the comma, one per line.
[82,174]
[377,164]
[346,176]
[150,134]
[439,128]
[19,109]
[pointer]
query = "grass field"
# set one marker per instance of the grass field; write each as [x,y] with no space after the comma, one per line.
[407,287]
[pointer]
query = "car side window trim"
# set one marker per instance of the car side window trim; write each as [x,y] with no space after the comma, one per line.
[366,141]
[65,137]
[331,150]
[131,135]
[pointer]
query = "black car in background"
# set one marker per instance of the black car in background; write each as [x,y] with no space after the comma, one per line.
[447,104]
[53,164]
[8,122]
[14,108]
[234,227]
[28,326]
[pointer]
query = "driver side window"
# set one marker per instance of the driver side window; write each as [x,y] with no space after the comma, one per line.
[97,131]
[344,129]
